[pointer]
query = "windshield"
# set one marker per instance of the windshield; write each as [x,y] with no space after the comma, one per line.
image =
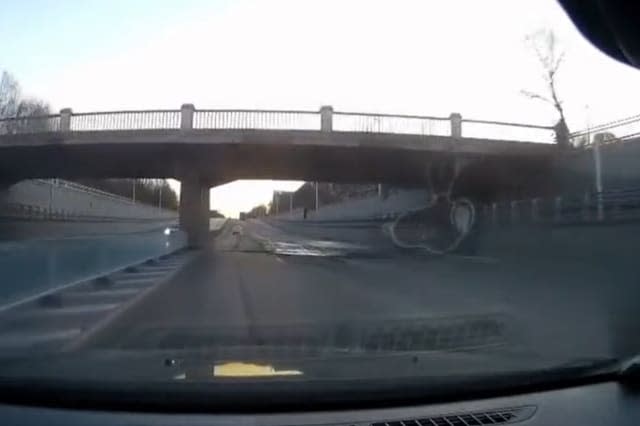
[204,191]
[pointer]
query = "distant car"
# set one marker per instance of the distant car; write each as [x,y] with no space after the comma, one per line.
[171,230]
[236,230]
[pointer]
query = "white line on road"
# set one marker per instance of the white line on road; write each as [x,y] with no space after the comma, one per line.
[13,340]
[101,293]
[70,310]
[134,279]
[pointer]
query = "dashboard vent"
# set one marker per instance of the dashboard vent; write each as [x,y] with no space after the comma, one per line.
[479,418]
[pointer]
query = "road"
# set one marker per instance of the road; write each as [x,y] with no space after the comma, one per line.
[257,280]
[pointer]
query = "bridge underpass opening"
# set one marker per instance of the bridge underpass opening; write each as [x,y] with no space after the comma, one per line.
[294,199]
[478,181]
[255,197]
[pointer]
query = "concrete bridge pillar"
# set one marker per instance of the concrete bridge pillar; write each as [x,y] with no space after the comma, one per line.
[194,211]
[65,119]
[186,116]
[456,125]
[326,118]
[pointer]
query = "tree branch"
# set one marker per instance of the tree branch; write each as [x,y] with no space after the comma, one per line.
[532,95]
[544,46]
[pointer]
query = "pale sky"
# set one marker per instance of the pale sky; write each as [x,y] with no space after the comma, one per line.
[412,57]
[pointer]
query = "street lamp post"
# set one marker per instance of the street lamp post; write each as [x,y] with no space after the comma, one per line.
[597,164]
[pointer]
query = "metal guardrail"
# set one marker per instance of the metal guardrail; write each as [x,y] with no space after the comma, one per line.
[33,212]
[256,119]
[590,207]
[608,133]
[325,120]
[85,189]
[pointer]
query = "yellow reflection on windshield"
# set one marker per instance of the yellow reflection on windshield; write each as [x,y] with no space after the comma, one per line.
[241,369]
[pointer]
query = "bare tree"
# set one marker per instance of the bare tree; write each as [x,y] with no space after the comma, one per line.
[544,45]
[13,105]
[9,95]
[32,108]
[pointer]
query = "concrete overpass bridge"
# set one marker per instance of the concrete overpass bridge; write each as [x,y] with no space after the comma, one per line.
[204,148]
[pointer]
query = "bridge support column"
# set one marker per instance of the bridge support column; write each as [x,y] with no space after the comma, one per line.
[456,125]
[65,119]
[194,211]
[326,118]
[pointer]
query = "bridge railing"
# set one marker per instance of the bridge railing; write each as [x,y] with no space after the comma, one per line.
[125,120]
[387,123]
[44,123]
[484,129]
[325,120]
[256,119]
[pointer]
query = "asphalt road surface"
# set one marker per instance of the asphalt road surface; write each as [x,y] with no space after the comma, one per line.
[258,276]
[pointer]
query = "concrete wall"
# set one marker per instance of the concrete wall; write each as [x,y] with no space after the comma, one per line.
[619,167]
[21,229]
[39,209]
[371,207]
[65,200]
[357,220]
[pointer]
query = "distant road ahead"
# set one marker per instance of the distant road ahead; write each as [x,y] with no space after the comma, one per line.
[215,223]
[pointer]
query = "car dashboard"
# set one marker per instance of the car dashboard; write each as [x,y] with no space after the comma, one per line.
[608,403]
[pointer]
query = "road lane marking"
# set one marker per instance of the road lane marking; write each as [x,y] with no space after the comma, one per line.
[90,293]
[69,310]
[30,339]
[14,340]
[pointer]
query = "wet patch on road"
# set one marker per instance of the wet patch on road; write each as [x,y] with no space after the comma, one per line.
[237,239]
